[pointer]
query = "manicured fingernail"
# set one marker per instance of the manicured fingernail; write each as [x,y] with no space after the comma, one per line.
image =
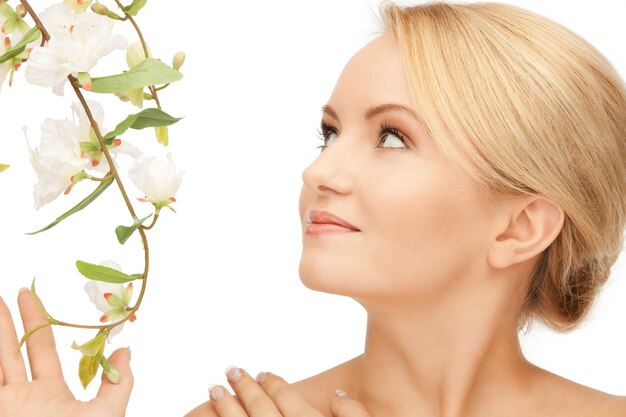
[341,394]
[216,392]
[233,374]
[261,377]
[23,289]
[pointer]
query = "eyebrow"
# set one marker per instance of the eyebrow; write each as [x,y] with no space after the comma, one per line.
[375,111]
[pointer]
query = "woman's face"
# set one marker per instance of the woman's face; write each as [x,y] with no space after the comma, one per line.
[421,222]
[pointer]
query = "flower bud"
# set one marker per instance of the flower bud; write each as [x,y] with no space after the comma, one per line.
[135,54]
[80,6]
[84,79]
[112,374]
[178,60]
[99,8]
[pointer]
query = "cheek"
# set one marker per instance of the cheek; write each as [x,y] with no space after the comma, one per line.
[426,230]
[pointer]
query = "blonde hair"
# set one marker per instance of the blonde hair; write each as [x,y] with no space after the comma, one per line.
[526,106]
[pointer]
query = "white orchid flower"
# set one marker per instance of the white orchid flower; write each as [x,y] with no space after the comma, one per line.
[77,42]
[58,161]
[113,300]
[67,149]
[10,66]
[89,142]
[157,179]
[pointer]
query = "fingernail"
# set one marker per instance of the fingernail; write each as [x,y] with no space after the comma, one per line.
[216,392]
[23,289]
[341,394]
[261,377]
[129,353]
[233,374]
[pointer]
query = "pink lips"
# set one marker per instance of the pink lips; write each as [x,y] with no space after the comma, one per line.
[322,222]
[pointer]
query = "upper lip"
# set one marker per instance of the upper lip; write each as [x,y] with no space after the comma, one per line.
[324,217]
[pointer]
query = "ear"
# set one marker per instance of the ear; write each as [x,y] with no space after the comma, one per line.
[531,225]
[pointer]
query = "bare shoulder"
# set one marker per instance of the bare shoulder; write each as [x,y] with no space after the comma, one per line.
[320,389]
[573,399]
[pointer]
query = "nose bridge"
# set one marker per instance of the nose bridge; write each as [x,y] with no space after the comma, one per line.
[333,167]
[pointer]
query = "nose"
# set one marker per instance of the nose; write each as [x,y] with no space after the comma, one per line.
[330,172]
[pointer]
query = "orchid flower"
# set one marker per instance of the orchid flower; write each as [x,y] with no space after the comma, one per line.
[58,160]
[12,19]
[77,42]
[67,149]
[89,144]
[113,300]
[158,179]
[10,66]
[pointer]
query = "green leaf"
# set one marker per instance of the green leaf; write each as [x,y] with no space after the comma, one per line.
[93,347]
[135,6]
[4,167]
[39,303]
[88,368]
[149,72]
[19,47]
[145,118]
[124,232]
[104,273]
[92,356]
[84,203]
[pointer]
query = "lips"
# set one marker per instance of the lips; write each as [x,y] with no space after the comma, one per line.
[319,222]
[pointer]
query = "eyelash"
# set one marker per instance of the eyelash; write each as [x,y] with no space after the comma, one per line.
[325,130]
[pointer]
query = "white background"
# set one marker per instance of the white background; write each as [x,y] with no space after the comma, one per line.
[224,288]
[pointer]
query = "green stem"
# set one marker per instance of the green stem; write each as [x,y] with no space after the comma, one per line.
[154,220]
[143,44]
[113,172]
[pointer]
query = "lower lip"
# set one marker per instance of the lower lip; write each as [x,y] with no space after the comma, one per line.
[325,228]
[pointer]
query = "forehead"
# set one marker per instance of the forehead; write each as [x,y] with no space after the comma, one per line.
[373,76]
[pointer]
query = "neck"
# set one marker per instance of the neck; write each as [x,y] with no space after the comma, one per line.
[440,360]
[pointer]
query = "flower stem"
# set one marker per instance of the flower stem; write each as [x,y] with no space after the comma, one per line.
[105,178]
[143,44]
[154,220]
[44,33]
[113,173]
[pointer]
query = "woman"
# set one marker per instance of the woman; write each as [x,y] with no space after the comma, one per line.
[472,179]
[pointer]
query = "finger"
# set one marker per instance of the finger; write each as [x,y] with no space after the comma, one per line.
[344,406]
[117,395]
[41,349]
[288,399]
[11,361]
[250,394]
[225,404]
[206,409]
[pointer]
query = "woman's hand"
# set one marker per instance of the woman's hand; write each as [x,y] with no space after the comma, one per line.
[47,395]
[269,396]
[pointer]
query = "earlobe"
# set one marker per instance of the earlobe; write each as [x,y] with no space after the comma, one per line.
[532,227]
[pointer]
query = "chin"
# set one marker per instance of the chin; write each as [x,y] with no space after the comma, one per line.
[322,276]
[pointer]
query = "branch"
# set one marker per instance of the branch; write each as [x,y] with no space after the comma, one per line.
[113,172]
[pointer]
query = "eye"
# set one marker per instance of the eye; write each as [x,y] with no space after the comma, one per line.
[328,134]
[391,138]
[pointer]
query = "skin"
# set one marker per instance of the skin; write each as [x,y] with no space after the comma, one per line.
[47,395]
[441,269]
